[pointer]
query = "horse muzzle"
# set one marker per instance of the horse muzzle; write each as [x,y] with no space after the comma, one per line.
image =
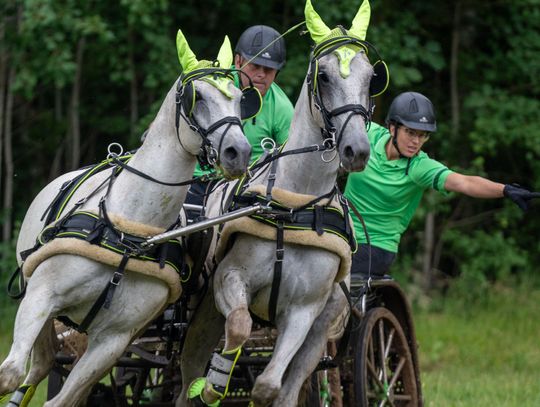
[354,157]
[234,159]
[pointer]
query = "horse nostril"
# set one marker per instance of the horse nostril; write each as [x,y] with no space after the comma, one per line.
[348,152]
[230,154]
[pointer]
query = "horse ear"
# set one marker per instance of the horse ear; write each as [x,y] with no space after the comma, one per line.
[361,21]
[187,58]
[315,25]
[225,55]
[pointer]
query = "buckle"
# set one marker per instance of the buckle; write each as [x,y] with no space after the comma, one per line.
[279,254]
[115,280]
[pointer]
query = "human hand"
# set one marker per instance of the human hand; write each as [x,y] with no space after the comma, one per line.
[520,196]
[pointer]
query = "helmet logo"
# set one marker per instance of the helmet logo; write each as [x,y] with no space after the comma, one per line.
[266,55]
[423,119]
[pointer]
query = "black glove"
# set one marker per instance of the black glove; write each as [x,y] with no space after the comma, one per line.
[520,196]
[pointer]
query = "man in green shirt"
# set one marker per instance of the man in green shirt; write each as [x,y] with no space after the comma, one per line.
[260,53]
[390,188]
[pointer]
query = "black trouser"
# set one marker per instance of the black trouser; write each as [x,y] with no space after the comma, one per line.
[381,260]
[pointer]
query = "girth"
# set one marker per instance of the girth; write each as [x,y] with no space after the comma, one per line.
[315,217]
[90,227]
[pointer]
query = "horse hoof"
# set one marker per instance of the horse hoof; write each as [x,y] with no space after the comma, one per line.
[195,392]
[263,394]
[9,382]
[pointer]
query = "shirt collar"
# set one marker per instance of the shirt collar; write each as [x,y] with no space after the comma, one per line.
[380,150]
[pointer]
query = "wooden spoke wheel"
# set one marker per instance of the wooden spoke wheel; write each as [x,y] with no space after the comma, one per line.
[378,368]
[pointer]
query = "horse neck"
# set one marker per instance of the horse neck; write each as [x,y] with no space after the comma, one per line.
[162,157]
[305,173]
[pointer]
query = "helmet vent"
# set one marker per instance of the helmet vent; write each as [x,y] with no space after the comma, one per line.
[413,106]
[257,40]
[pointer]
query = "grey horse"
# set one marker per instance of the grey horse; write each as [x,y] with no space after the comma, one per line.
[334,102]
[68,284]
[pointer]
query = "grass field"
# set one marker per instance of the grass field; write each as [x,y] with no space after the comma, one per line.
[480,354]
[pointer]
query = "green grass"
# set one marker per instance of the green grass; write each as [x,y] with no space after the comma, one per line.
[8,310]
[484,354]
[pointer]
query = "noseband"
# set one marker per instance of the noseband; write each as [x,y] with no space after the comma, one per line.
[329,131]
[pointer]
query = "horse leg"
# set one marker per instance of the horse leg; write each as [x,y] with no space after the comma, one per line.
[231,299]
[103,351]
[306,359]
[41,362]
[33,313]
[293,327]
[203,335]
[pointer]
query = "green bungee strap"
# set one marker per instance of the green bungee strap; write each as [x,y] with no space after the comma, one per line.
[22,395]
[220,372]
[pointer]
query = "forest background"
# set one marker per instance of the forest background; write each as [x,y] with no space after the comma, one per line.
[76,75]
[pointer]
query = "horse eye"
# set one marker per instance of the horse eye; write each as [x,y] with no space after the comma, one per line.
[324,77]
[198,96]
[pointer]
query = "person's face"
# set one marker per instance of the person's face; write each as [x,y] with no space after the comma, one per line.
[410,141]
[261,76]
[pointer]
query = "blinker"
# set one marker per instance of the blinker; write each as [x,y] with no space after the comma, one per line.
[380,80]
[251,103]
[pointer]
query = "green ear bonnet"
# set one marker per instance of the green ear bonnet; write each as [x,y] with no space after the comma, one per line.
[216,73]
[345,44]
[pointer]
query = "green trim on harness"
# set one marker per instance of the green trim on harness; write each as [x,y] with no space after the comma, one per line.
[333,219]
[81,224]
[65,195]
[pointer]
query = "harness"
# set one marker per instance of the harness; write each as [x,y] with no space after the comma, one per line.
[100,231]
[319,218]
[186,97]
[378,83]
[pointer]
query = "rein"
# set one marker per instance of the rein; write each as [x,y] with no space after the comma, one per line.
[123,165]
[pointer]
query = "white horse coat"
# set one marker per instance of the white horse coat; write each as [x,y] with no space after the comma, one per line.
[308,298]
[69,285]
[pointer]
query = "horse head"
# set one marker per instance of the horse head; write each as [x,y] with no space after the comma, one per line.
[339,81]
[212,107]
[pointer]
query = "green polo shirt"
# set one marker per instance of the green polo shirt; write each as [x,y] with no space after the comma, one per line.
[273,121]
[385,195]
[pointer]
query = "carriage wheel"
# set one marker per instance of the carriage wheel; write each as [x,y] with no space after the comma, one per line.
[378,369]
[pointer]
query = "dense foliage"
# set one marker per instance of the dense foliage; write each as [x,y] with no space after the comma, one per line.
[77,75]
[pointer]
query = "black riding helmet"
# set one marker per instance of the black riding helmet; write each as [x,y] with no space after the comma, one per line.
[255,39]
[413,110]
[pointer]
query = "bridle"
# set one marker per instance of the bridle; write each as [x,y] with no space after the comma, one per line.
[329,130]
[378,85]
[185,89]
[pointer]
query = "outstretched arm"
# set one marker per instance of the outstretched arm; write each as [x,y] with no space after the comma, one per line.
[474,186]
[479,187]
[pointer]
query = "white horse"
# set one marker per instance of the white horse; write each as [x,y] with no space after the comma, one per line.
[201,112]
[333,105]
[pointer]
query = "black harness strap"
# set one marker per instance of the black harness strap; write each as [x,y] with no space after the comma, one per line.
[278,267]
[104,299]
[125,166]
[22,285]
[115,280]
[271,180]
